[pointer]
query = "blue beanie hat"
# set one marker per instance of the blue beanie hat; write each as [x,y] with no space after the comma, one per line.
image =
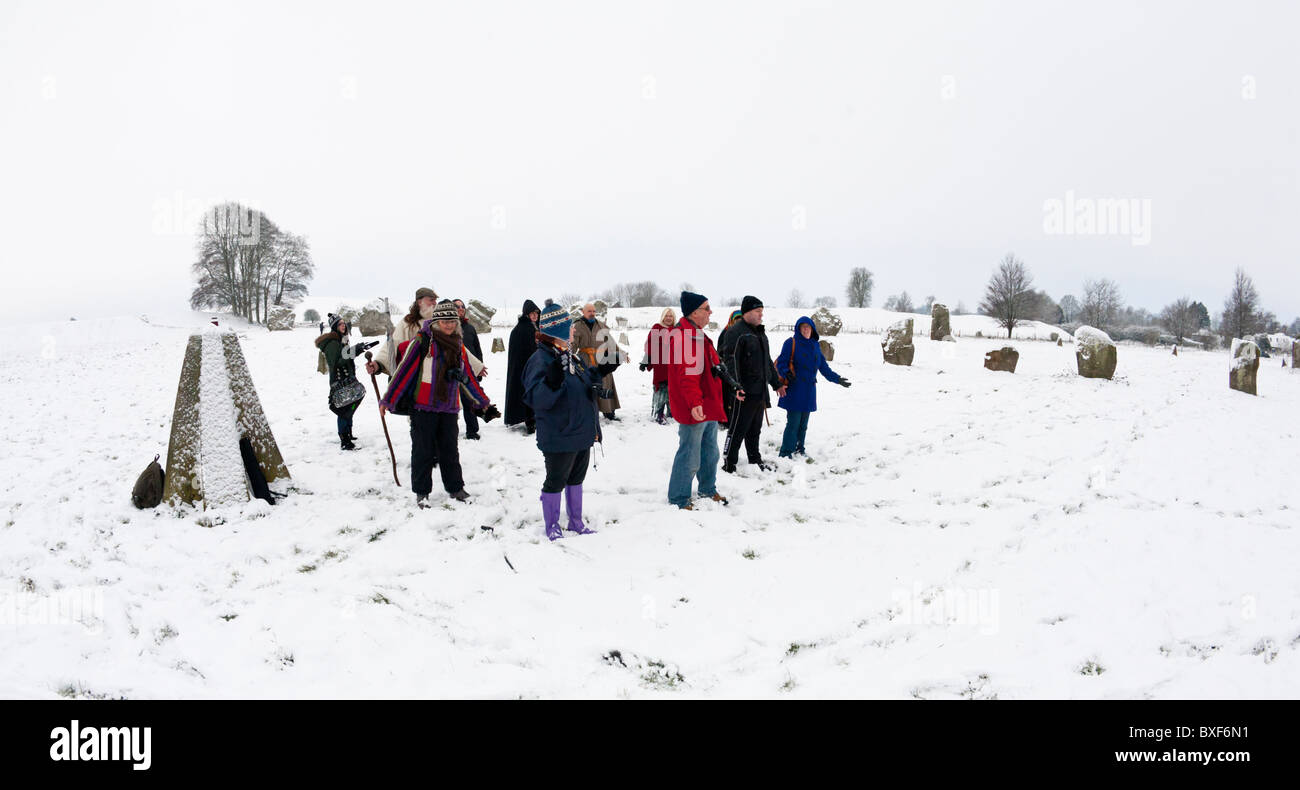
[554,321]
[691,302]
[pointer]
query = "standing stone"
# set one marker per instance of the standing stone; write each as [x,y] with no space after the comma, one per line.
[279,318]
[712,326]
[621,322]
[1175,350]
[1295,354]
[479,316]
[897,346]
[498,345]
[827,323]
[622,339]
[1244,371]
[940,328]
[1004,358]
[1095,352]
[1059,342]
[828,349]
[373,323]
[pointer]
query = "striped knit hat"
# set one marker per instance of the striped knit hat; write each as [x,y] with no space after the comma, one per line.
[554,322]
[445,311]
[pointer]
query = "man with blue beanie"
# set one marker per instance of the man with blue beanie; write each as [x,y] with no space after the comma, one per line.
[695,399]
[562,392]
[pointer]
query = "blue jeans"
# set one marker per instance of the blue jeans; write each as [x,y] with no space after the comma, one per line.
[796,425]
[697,455]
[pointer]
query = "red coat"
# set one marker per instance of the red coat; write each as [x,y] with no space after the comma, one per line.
[691,381]
[657,352]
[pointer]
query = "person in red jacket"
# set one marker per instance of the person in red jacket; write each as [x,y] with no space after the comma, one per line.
[695,398]
[655,360]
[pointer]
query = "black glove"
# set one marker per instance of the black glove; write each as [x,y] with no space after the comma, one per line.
[606,369]
[722,373]
[490,413]
[843,382]
[354,351]
[644,367]
[555,374]
[601,393]
[458,374]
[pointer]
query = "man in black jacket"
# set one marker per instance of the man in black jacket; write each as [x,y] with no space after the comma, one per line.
[751,364]
[470,335]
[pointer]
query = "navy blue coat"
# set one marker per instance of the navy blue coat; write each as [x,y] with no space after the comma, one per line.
[801,376]
[566,418]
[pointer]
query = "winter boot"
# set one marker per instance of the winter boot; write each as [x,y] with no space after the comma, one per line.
[551,514]
[573,503]
[460,496]
[729,468]
[422,501]
[719,498]
[345,442]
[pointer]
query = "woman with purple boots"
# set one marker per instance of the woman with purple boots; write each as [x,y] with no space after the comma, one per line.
[562,392]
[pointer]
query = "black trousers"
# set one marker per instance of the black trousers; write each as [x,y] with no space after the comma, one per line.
[565,469]
[471,419]
[748,418]
[433,443]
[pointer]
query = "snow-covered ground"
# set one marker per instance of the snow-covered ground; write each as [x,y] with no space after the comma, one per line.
[957,532]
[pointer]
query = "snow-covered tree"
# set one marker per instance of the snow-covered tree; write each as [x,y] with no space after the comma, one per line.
[311,316]
[1241,309]
[859,288]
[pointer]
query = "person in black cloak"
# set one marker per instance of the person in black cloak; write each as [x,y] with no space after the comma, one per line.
[523,343]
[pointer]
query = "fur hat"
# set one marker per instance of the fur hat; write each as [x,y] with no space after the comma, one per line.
[555,322]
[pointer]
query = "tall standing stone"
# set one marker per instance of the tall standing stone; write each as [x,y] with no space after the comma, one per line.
[828,349]
[940,327]
[498,345]
[279,318]
[1243,374]
[479,316]
[1095,352]
[1295,354]
[897,345]
[827,323]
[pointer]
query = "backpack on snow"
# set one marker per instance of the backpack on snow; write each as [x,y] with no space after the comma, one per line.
[148,486]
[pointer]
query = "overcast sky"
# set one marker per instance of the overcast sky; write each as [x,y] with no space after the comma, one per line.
[511,150]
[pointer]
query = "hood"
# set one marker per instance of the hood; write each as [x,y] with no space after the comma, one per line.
[798,335]
[529,307]
[328,336]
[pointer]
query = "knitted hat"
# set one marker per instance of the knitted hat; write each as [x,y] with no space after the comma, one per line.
[423,292]
[691,302]
[335,320]
[736,315]
[555,322]
[445,311]
[750,303]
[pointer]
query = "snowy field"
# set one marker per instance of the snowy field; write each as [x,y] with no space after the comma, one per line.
[956,533]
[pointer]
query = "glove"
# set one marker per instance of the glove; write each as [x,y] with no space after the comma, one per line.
[843,382]
[490,413]
[644,367]
[601,393]
[555,374]
[606,369]
[457,374]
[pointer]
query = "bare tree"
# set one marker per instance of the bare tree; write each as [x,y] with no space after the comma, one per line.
[795,299]
[1101,304]
[1180,319]
[1069,308]
[900,303]
[824,301]
[311,315]
[247,264]
[1241,315]
[1007,295]
[859,287]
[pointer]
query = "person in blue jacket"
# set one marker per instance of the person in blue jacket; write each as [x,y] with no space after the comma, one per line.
[798,363]
[562,392]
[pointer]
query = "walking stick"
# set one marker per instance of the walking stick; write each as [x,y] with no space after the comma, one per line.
[384,423]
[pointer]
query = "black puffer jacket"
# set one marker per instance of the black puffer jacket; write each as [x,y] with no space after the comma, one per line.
[750,361]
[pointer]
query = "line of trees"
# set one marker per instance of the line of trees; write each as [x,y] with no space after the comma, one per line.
[247,264]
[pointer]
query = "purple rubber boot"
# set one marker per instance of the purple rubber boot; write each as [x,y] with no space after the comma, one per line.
[573,502]
[551,514]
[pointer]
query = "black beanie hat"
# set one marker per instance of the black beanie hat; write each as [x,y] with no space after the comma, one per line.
[691,302]
[750,303]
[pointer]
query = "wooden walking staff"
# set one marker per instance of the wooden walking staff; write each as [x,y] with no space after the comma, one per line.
[379,397]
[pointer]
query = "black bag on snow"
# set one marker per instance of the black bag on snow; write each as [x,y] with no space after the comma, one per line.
[148,486]
[345,393]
